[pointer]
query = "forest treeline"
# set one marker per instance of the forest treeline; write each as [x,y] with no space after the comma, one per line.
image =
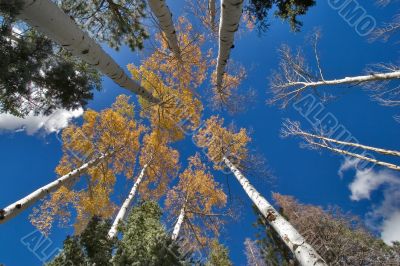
[51,58]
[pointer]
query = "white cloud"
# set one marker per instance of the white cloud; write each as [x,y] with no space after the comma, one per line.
[54,122]
[390,228]
[367,181]
[387,212]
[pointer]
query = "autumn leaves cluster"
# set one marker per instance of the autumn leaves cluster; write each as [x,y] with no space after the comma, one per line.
[146,141]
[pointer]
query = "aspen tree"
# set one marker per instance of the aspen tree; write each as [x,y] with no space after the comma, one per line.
[159,165]
[190,71]
[291,128]
[295,77]
[194,201]
[231,11]
[226,148]
[178,111]
[113,129]
[161,10]
[46,17]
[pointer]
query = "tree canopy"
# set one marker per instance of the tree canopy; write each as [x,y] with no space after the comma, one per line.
[38,75]
[287,10]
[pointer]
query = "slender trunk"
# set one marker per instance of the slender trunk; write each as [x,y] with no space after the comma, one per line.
[231,11]
[17,207]
[48,18]
[164,16]
[211,13]
[122,212]
[304,253]
[178,224]
[350,80]
[378,150]
[358,156]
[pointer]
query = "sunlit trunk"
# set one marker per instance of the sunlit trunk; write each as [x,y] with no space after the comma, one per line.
[17,207]
[350,80]
[122,212]
[231,11]
[49,19]
[164,16]
[178,224]
[304,253]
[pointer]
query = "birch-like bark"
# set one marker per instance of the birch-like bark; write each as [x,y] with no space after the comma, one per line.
[48,18]
[358,156]
[178,224]
[304,253]
[347,80]
[365,147]
[17,207]
[164,16]
[211,12]
[231,11]
[122,212]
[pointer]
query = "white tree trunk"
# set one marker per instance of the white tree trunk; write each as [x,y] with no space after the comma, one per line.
[17,207]
[211,12]
[350,80]
[358,156]
[304,253]
[164,16]
[231,11]
[365,147]
[48,18]
[178,224]
[122,212]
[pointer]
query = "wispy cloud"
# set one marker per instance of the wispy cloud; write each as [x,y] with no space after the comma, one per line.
[32,124]
[387,212]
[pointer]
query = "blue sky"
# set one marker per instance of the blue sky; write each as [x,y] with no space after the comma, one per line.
[28,161]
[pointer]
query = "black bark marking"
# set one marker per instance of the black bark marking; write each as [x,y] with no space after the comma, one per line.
[85,51]
[271,216]
[18,206]
[2,212]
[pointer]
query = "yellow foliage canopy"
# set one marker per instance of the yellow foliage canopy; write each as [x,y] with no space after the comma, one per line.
[112,131]
[190,70]
[200,195]
[179,111]
[163,165]
[227,95]
[220,141]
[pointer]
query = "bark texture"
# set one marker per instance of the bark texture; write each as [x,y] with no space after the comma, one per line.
[348,80]
[231,11]
[164,16]
[304,253]
[46,17]
[178,224]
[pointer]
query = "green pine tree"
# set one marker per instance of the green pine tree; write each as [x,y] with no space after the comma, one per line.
[145,240]
[35,73]
[219,255]
[92,247]
[288,10]
[111,21]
